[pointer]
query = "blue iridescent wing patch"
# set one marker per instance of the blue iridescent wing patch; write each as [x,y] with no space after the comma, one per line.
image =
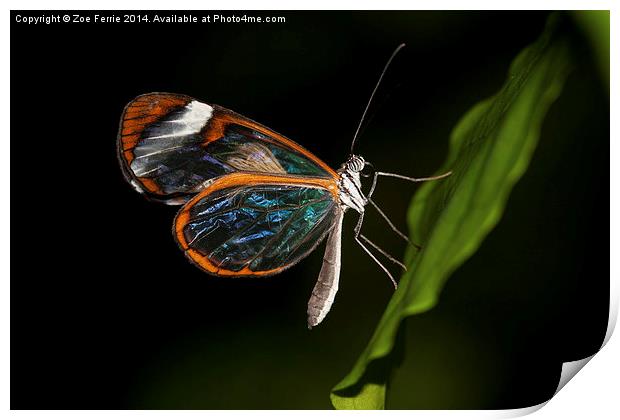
[171,146]
[254,230]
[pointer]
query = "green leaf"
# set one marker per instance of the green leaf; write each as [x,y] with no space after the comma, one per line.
[490,149]
[595,25]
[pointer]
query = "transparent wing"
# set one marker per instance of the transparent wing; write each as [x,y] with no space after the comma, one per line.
[171,146]
[249,225]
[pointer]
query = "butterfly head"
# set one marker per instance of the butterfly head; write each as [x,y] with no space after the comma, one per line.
[355,163]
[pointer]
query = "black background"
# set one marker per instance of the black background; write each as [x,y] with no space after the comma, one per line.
[107,313]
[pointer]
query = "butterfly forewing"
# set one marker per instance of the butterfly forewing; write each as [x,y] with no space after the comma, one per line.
[256,225]
[171,147]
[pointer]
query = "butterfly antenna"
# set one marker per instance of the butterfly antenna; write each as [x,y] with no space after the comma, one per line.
[400,47]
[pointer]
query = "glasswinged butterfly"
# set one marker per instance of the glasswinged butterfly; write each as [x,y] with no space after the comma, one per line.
[254,202]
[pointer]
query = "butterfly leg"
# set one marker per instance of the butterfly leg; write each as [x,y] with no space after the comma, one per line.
[357,235]
[385,254]
[406,178]
[385,217]
[392,226]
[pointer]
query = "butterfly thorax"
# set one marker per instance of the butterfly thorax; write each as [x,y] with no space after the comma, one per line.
[349,184]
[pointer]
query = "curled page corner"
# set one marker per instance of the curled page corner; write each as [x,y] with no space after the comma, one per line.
[570,369]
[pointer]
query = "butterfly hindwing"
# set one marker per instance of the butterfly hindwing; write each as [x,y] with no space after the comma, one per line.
[255,225]
[172,146]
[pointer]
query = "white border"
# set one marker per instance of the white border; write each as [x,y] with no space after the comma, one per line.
[593,395]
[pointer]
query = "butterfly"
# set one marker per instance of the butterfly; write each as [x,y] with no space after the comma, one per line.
[254,202]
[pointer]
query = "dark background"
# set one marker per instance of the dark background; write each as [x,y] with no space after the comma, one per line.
[107,313]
